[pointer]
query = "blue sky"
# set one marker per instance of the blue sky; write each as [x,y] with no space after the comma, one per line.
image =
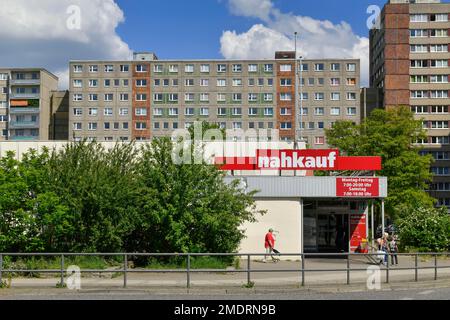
[50,33]
[176,29]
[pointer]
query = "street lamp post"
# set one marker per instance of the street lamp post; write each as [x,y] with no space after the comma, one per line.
[299,78]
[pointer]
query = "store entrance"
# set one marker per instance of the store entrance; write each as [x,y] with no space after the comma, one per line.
[332,234]
[326,225]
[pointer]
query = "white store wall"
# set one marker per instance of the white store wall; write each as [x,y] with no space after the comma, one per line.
[284,216]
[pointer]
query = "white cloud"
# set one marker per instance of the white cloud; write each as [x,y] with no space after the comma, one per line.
[252,8]
[317,38]
[34,33]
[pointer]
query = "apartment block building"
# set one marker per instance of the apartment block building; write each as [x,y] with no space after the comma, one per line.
[25,98]
[148,97]
[409,64]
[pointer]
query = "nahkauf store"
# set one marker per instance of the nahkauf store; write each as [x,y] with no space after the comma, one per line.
[309,213]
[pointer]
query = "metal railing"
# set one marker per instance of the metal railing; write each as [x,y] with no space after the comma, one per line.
[189,270]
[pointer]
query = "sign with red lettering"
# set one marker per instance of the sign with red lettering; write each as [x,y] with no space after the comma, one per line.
[302,160]
[358,232]
[357,187]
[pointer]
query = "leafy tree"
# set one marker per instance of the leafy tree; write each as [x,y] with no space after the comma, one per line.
[390,134]
[188,207]
[425,229]
[101,189]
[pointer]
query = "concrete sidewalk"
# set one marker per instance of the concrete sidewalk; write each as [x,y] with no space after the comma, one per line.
[260,277]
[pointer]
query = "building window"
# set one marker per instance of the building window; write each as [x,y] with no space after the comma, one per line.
[109,68]
[335,96]
[252,68]
[319,67]
[140,112]
[286,82]
[319,96]
[335,67]
[237,67]
[351,67]
[123,111]
[141,97]
[335,111]
[189,97]
[108,111]
[286,125]
[141,68]
[221,68]
[285,67]
[441,17]
[124,68]
[237,82]
[221,82]
[158,68]
[221,111]
[237,97]
[236,111]
[268,97]
[143,82]
[92,126]
[268,68]
[438,33]
[173,112]
[320,111]
[77,97]
[173,68]
[189,68]
[204,97]
[93,68]
[319,140]
[77,83]
[252,111]
[418,33]
[204,68]
[418,18]
[109,97]
[221,97]
[189,112]
[285,111]
[141,126]
[335,82]
[77,126]
[351,111]
[351,96]
[204,112]
[285,96]
[77,68]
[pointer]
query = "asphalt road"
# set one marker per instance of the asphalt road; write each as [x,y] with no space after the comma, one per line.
[411,294]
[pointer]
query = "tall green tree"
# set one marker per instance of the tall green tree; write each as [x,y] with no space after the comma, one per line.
[392,135]
[188,207]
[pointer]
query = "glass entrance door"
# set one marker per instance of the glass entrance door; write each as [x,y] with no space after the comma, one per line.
[332,233]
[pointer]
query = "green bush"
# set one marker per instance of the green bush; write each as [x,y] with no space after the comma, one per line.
[427,229]
[85,198]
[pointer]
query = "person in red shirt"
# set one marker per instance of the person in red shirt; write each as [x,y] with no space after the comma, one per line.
[269,244]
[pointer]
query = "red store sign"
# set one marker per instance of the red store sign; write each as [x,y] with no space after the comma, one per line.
[357,187]
[291,160]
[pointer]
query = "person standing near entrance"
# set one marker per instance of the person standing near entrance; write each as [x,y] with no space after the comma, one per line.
[269,243]
[393,248]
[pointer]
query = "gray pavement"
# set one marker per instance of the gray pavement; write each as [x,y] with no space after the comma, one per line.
[267,285]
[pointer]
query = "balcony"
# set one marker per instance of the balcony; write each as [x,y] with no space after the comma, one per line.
[24,138]
[26,82]
[24,124]
[19,110]
[27,95]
